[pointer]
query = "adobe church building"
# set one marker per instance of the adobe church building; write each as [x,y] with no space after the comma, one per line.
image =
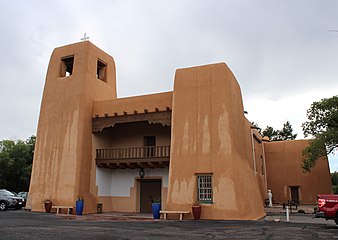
[193,144]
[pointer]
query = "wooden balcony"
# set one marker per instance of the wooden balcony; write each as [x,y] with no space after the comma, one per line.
[133,157]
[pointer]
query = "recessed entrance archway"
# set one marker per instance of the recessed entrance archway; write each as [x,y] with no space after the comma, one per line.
[150,190]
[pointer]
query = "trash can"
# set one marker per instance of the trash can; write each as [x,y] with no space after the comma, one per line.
[99,208]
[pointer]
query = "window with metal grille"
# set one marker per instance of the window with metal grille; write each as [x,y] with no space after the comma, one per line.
[204,187]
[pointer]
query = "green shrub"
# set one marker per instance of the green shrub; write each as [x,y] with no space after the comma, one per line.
[335,189]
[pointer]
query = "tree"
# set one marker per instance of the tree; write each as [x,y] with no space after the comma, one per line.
[280,135]
[322,124]
[255,125]
[286,133]
[270,132]
[16,158]
[334,177]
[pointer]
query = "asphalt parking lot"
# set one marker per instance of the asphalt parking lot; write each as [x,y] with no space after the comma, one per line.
[23,224]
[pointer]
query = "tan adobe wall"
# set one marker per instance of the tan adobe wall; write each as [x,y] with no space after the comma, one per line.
[283,161]
[256,158]
[209,135]
[63,157]
[259,162]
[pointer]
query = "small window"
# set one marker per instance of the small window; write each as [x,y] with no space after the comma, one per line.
[149,143]
[67,64]
[204,187]
[101,71]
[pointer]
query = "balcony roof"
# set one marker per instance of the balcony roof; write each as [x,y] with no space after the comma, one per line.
[133,163]
[162,117]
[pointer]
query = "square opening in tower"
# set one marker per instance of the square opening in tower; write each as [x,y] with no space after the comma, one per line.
[67,64]
[101,70]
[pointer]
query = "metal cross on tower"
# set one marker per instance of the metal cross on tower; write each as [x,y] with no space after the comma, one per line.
[85,38]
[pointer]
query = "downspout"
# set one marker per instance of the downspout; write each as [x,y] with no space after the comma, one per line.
[253,153]
[264,164]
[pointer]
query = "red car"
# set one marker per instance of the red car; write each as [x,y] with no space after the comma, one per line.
[327,207]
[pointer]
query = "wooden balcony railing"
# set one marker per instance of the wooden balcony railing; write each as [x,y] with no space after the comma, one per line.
[133,153]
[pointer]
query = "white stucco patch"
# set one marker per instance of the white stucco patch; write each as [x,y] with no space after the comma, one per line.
[183,190]
[117,183]
[223,133]
[103,181]
[224,194]
[206,136]
[185,139]
[122,181]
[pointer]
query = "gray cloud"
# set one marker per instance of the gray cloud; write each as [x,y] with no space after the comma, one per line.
[276,49]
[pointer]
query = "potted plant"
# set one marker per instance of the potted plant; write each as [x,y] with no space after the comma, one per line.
[156,208]
[48,205]
[196,211]
[79,205]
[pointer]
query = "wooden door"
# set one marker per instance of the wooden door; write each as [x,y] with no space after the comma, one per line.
[150,190]
[295,194]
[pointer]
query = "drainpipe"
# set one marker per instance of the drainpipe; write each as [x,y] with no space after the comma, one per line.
[264,163]
[253,153]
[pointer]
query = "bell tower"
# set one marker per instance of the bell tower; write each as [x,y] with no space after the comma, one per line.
[78,74]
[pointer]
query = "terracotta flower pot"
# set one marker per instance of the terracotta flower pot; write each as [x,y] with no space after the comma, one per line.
[196,212]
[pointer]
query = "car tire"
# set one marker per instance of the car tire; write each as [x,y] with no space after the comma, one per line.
[3,206]
[336,221]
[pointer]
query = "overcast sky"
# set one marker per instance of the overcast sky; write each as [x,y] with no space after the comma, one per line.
[281,52]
